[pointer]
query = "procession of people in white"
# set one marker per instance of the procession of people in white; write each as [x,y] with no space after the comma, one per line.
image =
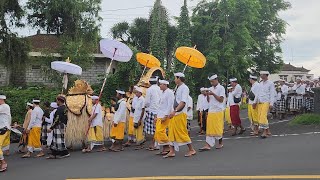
[163,116]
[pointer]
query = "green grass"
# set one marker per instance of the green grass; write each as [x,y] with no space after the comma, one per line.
[306,119]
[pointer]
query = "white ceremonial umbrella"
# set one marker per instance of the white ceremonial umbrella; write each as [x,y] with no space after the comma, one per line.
[116,51]
[66,68]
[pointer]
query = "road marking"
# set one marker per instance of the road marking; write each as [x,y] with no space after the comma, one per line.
[249,137]
[211,177]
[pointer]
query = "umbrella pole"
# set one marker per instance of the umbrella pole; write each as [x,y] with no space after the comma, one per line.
[64,82]
[104,83]
[184,69]
[144,69]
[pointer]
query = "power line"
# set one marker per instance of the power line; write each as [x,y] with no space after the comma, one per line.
[112,10]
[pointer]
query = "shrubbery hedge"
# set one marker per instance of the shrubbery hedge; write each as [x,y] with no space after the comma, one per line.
[18,97]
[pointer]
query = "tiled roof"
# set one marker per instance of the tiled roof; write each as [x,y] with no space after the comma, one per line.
[289,67]
[48,43]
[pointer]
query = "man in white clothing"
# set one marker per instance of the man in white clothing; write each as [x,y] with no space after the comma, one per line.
[119,120]
[253,113]
[202,108]
[138,118]
[49,121]
[178,132]
[5,119]
[166,107]
[152,102]
[235,106]
[95,133]
[34,130]
[216,96]
[264,101]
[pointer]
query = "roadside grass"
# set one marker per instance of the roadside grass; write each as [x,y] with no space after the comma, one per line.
[306,119]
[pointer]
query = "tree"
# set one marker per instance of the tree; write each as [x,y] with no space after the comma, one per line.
[137,34]
[75,22]
[159,31]
[120,31]
[268,33]
[235,35]
[13,50]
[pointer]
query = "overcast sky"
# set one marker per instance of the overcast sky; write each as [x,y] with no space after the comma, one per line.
[302,41]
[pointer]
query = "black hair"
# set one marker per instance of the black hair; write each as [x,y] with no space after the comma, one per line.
[153,82]
[46,104]
[114,99]
[181,78]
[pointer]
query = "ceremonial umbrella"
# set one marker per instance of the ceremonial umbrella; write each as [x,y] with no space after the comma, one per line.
[147,60]
[66,68]
[190,57]
[116,51]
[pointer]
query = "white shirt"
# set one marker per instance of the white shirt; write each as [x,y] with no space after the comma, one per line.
[5,116]
[230,99]
[97,121]
[139,105]
[214,104]
[300,89]
[190,105]
[166,103]
[266,93]
[152,100]
[254,90]
[284,90]
[120,114]
[182,95]
[134,99]
[50,119]
[237,92]
[36,117]
[202,103]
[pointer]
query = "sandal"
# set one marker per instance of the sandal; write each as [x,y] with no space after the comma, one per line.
[51,157]
[162,153]
[26,156]
[204,149]
[102,149]
[86,150]
[189,155]
[169,156]
[219,147]
[39,155]
[3,169]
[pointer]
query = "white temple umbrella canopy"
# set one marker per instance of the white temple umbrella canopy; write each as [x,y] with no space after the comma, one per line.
[66,68]
[115,50]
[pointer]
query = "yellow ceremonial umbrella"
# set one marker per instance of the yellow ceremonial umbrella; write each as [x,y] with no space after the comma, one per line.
[190,57]
[147,60]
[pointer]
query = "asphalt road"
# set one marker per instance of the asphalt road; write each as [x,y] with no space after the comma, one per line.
[290,154]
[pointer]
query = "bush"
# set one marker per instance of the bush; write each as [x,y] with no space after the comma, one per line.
[18,97]
[306,119]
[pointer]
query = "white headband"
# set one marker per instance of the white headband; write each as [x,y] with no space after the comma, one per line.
[121,92]
[179,74]
[213,77]
[164,82]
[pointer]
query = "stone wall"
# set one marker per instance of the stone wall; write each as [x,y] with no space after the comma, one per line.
[34,75]
[4,75]
[94,74]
